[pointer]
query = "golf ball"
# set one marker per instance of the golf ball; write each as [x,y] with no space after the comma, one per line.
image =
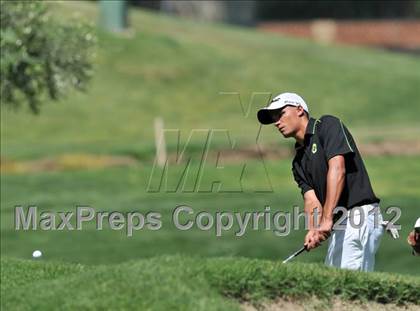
[36,254]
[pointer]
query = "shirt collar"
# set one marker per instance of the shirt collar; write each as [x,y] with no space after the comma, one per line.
[310,130]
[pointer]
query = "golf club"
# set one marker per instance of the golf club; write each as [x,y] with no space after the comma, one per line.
[303,248]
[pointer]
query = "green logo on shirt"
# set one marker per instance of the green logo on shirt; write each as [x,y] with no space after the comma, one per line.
[314,148]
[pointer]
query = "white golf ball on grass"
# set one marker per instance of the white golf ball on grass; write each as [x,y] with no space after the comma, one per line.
[36,254]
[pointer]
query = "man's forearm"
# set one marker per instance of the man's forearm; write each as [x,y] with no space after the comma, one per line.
[313,211]
[311,204]
[335,185]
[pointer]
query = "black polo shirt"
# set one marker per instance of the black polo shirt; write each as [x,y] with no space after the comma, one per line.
[325,138]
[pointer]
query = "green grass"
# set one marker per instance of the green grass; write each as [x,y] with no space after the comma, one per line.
[193,283]
[176,69]
[124,190]
[158,284]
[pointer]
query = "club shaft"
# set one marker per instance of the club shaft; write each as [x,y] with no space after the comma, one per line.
[295,254]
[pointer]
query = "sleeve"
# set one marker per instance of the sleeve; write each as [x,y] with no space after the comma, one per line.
[335,138]
[300,179]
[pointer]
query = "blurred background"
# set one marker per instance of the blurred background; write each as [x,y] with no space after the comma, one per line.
[84,106]
[386,24]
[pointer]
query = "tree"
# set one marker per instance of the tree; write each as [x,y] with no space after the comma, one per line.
[41,57]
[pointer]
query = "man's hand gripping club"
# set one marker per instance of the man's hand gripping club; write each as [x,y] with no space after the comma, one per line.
[321,222]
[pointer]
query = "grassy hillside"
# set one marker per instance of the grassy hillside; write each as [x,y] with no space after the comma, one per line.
[177,69]
[180,283]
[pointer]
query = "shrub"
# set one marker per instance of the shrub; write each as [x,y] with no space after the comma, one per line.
[40,57]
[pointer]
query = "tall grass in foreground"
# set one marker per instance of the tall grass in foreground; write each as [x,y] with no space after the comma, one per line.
[189,283]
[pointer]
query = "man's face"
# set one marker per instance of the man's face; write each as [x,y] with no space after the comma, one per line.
[287,121]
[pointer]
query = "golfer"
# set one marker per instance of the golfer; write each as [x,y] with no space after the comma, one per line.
[330,172]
